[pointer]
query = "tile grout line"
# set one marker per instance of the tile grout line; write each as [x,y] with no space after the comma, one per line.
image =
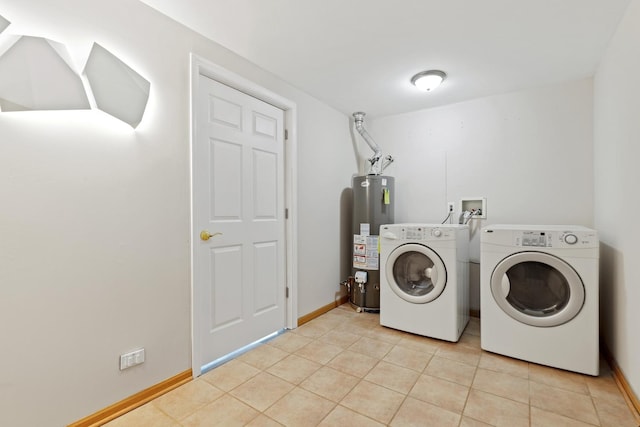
[466,400]
[335,404]
[406,395]
[529,388]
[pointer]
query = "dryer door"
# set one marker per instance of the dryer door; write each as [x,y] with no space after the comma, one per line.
[537,289]
[416,273]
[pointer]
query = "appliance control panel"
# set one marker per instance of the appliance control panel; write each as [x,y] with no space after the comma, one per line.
[424,233]
[555,239]
[413,233]
[419,232]
[534,238]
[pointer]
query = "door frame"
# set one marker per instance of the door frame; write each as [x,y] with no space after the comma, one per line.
[200,66]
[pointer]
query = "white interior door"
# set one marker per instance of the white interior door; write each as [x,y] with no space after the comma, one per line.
[238,198]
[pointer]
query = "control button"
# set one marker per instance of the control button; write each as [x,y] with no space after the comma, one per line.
[571,239]
[437,233]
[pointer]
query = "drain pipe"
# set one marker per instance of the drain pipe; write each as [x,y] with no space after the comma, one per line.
[359,119]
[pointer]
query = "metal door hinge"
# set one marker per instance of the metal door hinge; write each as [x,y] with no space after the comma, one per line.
[286,292]
[286,134]
[286,213]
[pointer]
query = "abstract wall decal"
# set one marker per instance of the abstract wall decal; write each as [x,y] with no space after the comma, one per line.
[36,74]
[117,89]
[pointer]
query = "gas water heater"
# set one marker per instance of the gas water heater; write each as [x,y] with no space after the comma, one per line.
[373,205]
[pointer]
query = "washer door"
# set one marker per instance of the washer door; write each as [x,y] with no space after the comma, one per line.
[537,289]
[416,273]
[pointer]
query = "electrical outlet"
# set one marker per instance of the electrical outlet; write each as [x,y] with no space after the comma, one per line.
[130,359]
[450,206]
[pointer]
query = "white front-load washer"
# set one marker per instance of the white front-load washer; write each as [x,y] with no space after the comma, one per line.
[424,279]
[539,294]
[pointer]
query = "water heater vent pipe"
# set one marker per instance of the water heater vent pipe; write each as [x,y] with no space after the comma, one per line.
[359,120]
[375,169]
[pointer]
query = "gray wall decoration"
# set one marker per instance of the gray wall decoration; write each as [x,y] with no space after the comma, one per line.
[38,74]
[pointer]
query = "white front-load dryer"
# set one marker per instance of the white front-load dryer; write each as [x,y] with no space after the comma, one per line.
[424,279]
[539,294]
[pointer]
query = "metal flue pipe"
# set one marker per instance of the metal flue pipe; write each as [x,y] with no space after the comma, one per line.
[359,120]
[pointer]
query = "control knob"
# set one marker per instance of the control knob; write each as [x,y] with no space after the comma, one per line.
[437,233]
[570,239]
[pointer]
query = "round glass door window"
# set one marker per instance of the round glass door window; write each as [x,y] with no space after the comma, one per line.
[416,273]
[537,289]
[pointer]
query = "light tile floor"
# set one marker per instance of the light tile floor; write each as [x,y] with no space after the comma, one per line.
[344,369]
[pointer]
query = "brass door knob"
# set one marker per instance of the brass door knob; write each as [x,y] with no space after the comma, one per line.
[205,235]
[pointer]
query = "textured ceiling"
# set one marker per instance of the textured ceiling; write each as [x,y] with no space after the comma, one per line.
[358,55]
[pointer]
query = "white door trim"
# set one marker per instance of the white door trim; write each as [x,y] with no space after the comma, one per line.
[201,66]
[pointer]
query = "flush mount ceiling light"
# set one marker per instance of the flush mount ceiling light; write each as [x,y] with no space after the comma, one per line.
[428,80]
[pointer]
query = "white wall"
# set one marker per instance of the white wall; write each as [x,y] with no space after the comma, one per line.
[530,153]
[94,218]
[616,136]
[324,206]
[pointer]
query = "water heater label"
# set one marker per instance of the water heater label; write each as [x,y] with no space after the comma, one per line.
[365,252]
[365,229]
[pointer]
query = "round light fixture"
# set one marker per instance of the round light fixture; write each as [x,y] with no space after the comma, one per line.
[428,80]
